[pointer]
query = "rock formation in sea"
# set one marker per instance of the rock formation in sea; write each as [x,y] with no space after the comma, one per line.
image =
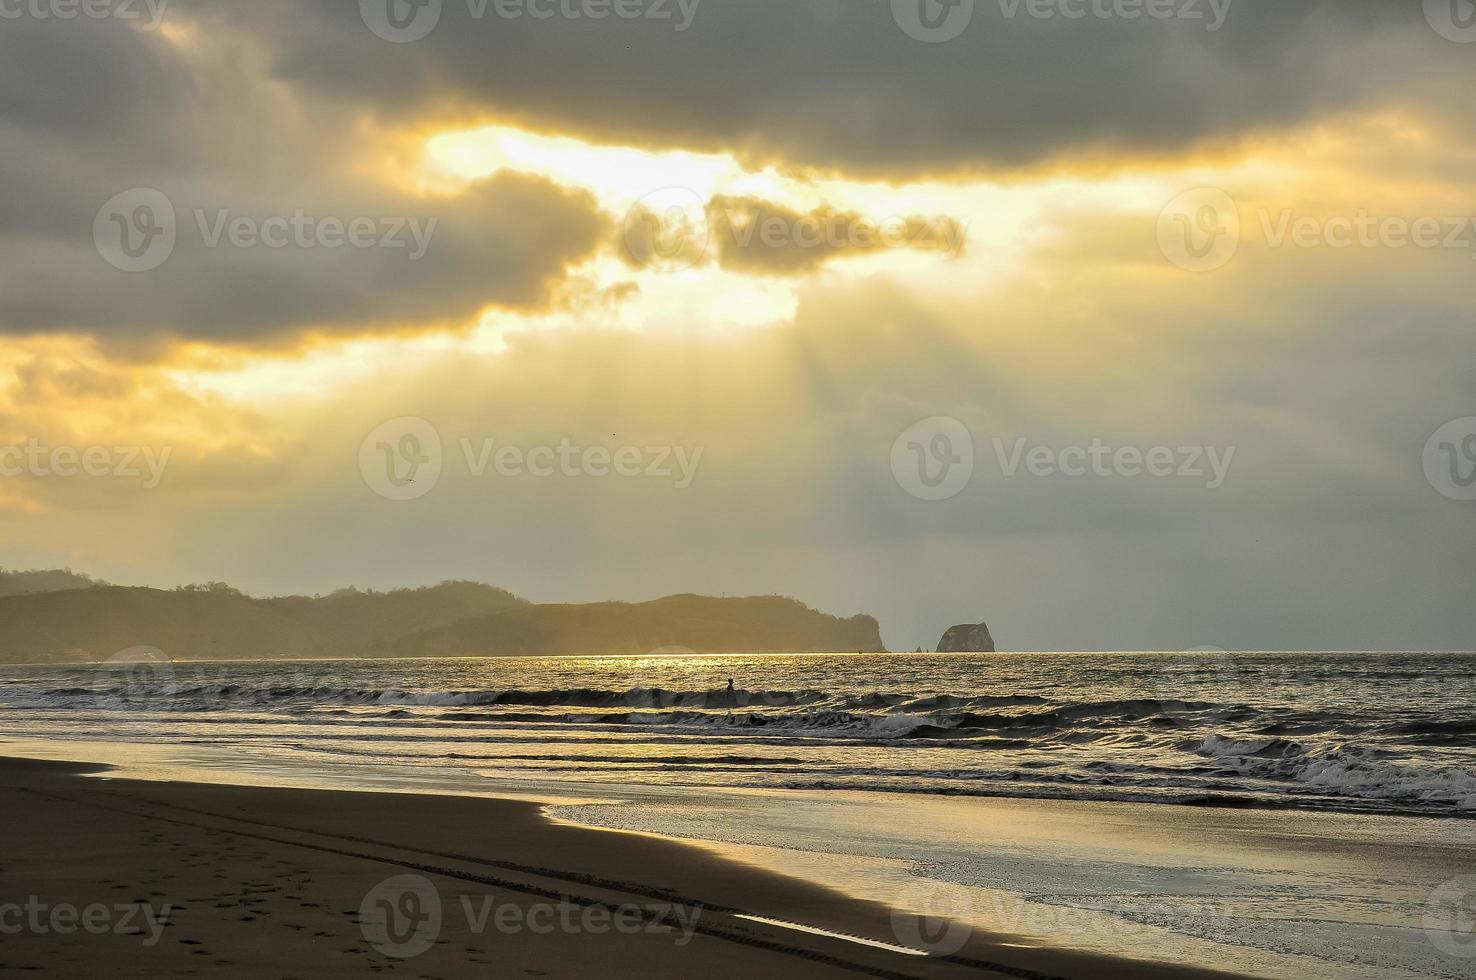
[968,638]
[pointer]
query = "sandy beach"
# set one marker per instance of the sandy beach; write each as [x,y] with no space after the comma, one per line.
[135,878]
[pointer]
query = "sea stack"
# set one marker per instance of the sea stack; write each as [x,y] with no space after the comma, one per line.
[969,638]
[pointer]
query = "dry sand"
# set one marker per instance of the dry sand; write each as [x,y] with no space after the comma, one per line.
[153,879]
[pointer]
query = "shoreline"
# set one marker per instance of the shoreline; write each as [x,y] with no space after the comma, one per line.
[1225,890]
[205,849]
[20,746]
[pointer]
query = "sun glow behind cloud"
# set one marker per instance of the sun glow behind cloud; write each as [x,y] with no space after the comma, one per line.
[1009,226]
[617,175]
[999,223]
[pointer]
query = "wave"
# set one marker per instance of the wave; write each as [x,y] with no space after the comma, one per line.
[1006,718]
[1211,740]
[637,697]
[1343,770]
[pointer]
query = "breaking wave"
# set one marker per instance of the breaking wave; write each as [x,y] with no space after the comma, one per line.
[1388,733]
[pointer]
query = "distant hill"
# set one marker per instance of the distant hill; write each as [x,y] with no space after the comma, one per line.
[217,622]
[760,624]
[370,621]
[48,580]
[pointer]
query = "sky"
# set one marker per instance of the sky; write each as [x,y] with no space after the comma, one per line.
[1117,324]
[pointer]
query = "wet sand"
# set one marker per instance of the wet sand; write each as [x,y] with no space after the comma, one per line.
[136,878]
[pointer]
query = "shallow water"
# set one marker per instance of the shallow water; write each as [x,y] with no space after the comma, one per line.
[1290,895]
[1376,733]
[1285,894]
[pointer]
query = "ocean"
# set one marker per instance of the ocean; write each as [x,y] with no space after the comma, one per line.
[1319,831]
[1388,733]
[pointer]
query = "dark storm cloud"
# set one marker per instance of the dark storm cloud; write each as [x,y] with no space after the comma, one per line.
[421,263]
[266,110]
[752,235]
[840,85]
[263,191]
